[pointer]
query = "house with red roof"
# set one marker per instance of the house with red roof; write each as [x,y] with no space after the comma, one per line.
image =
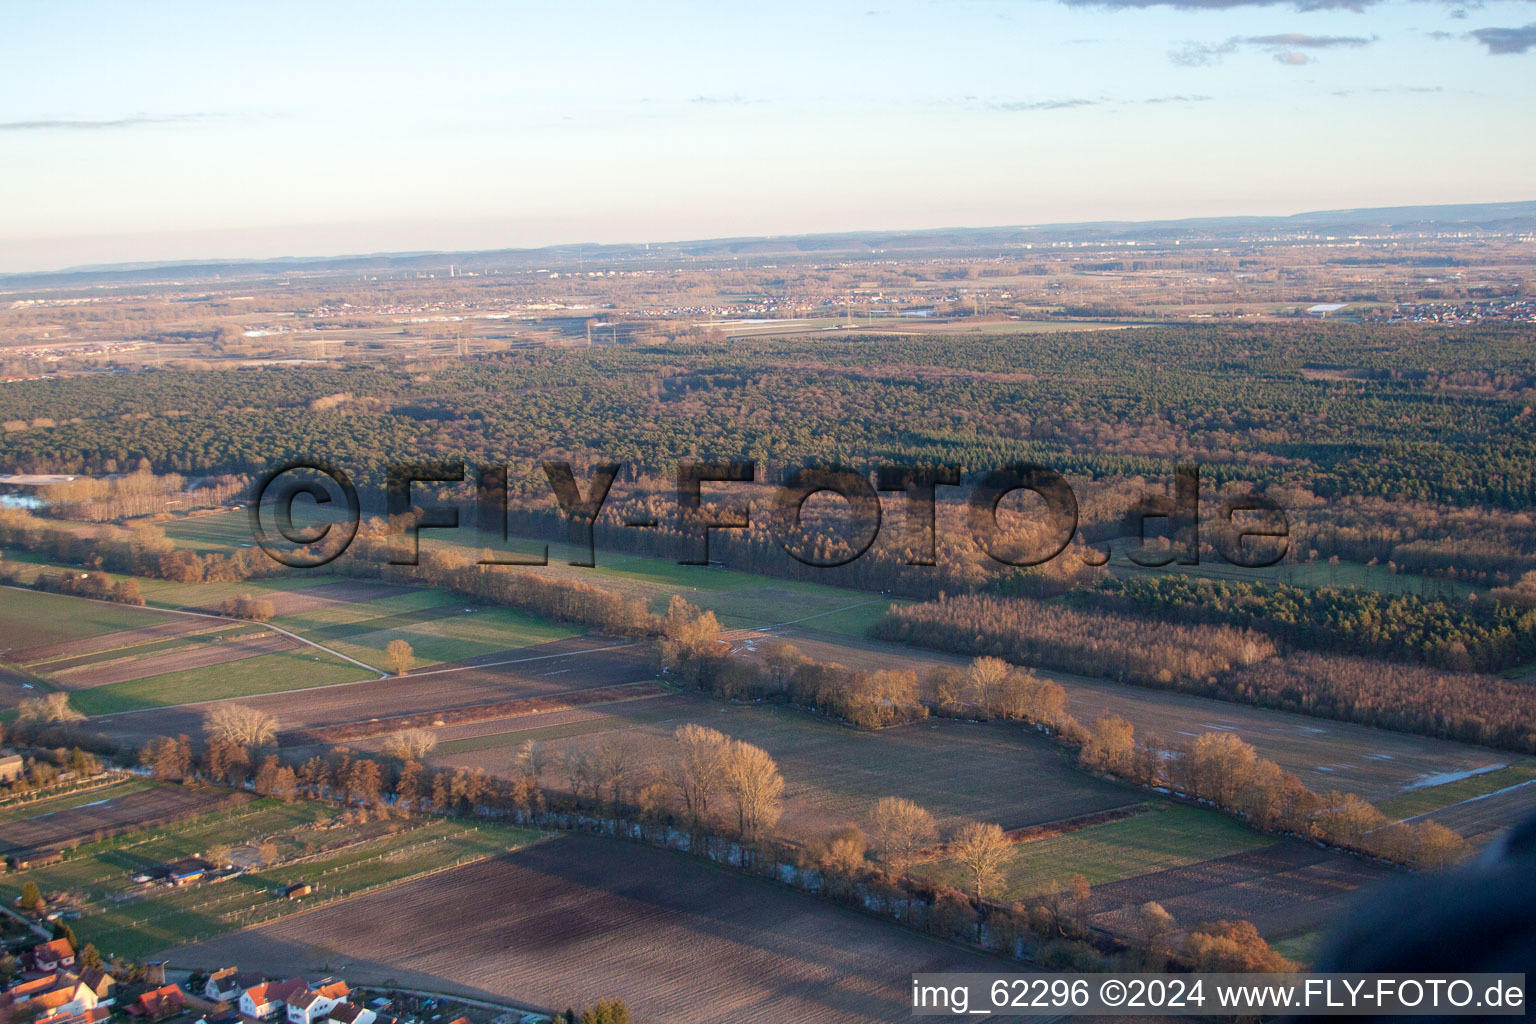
[158,1004]
[57,955]
[95,1015]
[264,1000]
[62,992]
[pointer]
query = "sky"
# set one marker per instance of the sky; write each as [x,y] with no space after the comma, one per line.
[154,131]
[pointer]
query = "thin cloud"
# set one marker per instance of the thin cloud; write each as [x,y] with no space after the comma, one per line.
[1458,7]
[1027,106]
[1225,5]
[1198,55]
[135,121]
[1389,89]
[1019,106]
[1285,46]
[1299,39]
[1506,40]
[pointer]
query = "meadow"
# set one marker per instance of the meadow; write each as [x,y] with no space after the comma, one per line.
[1164,836]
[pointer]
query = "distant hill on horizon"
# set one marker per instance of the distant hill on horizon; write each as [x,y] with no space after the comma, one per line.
[1503,218]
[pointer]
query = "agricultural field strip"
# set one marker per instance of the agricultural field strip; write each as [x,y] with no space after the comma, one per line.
[382,676]
[593,916]
[1326,753]
[242,647]
[1423,801]
[1475,799]
[64,663]
[398,618]
[1113,851]
[221,618]
[120,813]
[24,810]
[544,730]
[728,634]
[124,647]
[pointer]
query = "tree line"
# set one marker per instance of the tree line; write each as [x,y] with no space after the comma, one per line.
[1225,662]
[718,797]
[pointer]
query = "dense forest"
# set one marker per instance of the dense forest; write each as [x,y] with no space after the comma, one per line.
[1404,413]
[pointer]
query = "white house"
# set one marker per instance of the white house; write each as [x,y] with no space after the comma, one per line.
[223,986]
[309,1006]
[57,955]
[264,1000]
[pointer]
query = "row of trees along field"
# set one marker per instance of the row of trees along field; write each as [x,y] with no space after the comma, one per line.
[1224,662]
[724,795]
[138,550]
[1217,768]
[139,493]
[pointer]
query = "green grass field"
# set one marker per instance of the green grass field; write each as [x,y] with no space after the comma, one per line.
[126,919]
[183,596]
[739,600]
[300,669]
[32,619]
[632,717]
[1432,798]
[233,631]
[1302,948]
[434,622]
[1168,836]
[1305,574]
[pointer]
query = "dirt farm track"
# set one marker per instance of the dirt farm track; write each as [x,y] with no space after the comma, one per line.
[579,918]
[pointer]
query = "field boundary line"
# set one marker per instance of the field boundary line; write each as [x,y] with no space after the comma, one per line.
[517,661]
[215,618]
[731,633]
[1473,799]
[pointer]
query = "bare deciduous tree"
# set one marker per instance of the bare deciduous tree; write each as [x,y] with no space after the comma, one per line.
[400,657]
[532,758]
[845,851]
[985,676]
[614,764]
[699,772]
[981,850]
[752,779]
[411,744]
[49,708]
[241,725]
[902,829]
